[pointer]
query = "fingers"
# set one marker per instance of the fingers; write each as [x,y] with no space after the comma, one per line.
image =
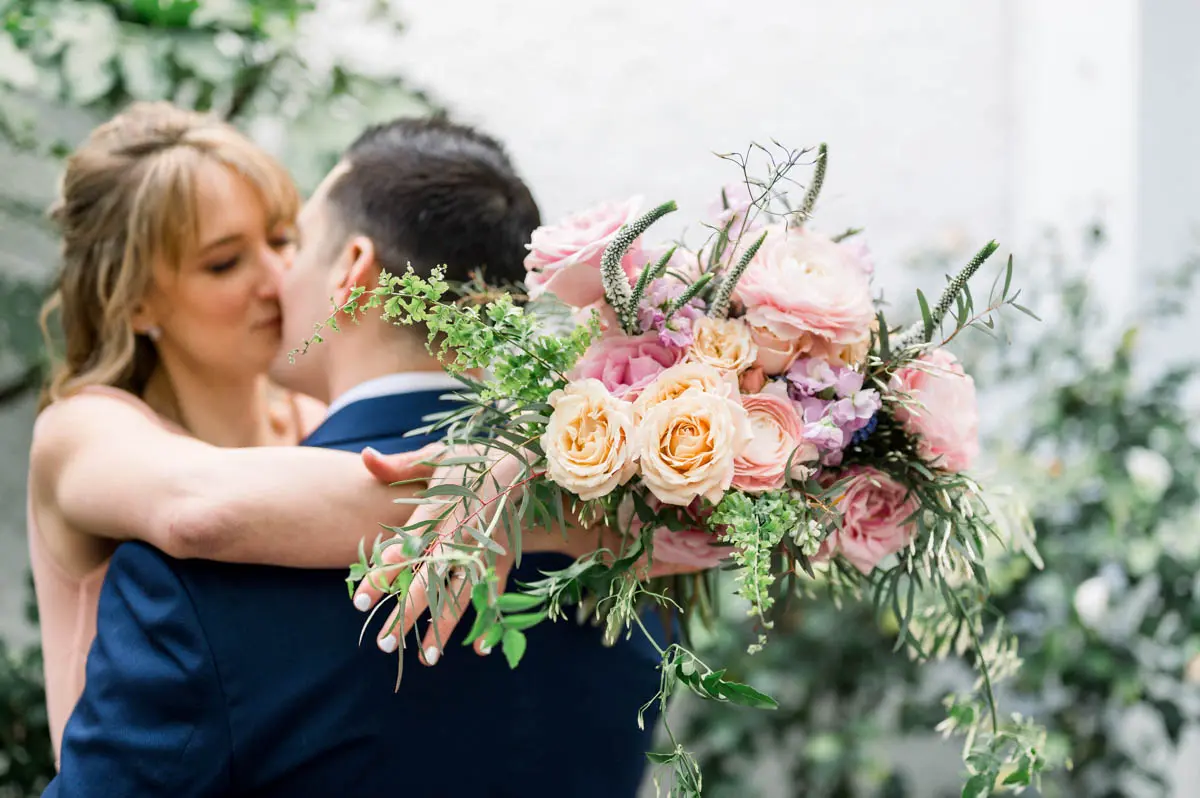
[374,585]
[412,605]
[453,607]
[392,468]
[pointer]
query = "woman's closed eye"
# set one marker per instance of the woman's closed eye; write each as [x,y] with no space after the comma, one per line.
[284,239]
[224,266]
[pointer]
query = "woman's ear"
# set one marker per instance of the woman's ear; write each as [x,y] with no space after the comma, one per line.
[144,321]
[360,267]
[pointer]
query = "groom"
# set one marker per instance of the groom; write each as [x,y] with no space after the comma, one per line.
[209,679]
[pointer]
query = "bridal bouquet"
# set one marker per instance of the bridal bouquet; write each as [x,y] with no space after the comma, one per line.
[742,405]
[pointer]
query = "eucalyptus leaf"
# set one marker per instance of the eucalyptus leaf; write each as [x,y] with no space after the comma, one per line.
[513,643]
[746,696]
[524,621]
[517,602]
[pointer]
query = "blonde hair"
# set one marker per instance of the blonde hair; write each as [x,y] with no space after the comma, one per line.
[127,200]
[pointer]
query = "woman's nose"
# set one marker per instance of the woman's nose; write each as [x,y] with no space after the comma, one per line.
[272,274]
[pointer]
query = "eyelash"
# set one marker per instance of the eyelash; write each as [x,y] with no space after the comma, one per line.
[277,243]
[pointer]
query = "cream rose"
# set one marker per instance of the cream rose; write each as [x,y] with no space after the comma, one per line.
[723,344]
[588,440]
[687,446]
[672,382]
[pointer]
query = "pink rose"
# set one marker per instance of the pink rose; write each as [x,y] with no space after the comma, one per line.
[943,414]
[803,283]
[564,259]
[776,433]
[626,365]
[775,354]
[691,547]
[694,548]
[875,509]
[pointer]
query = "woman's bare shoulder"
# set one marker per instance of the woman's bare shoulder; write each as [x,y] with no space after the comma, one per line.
[83,417]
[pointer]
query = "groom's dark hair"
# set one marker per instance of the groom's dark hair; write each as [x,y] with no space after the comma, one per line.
[430,192]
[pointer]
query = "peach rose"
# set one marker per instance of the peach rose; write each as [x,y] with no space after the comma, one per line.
[672,382]
[564,258]
[752,380]
[687,446]
[875,509]
[776,433]
[588,440]
[803,282]
[626,364]
[774,354]
[723,344]
[851,355]
[943,414]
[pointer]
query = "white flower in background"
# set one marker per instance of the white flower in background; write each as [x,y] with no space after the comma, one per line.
[1149,470]
[1091,600]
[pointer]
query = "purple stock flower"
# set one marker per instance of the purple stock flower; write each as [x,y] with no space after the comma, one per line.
[680,338]
[652,315]
[810,376]
[832,425]
[651,318]
[853,412]
[826,435]
[849,382]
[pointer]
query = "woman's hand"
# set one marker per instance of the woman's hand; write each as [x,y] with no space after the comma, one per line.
[578,541]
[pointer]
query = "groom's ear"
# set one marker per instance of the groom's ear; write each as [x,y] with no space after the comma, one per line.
[358,267]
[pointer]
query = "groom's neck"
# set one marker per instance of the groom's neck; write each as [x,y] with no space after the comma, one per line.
[366,357]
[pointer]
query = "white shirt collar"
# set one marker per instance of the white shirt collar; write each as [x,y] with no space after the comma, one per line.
[391,384]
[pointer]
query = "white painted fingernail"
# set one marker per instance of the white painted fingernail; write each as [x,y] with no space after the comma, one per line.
[485,650]
[363,602]
[387,644]
[431,655]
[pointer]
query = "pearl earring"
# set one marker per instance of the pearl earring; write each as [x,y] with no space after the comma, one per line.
[153,333]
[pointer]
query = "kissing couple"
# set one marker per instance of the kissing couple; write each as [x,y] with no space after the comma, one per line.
[195,493]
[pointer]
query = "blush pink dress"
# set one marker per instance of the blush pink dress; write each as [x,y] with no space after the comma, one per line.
[67,604]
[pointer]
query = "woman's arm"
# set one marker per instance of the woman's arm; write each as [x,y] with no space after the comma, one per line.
[107,470]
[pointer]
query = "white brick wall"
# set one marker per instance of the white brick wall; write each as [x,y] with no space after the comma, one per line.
[602,99]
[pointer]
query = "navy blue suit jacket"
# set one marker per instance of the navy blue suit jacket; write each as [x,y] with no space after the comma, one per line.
[211,679]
